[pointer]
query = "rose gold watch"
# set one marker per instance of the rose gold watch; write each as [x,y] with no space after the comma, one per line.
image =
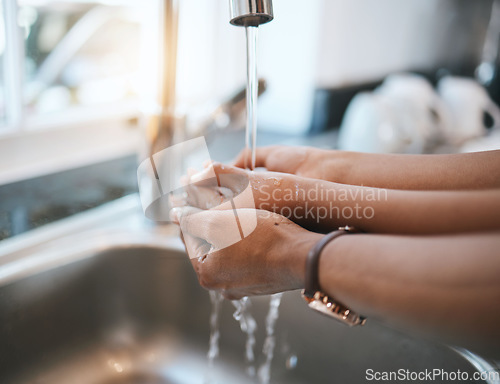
[318,300]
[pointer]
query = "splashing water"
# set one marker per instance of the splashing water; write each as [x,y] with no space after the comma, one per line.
[270,341]
[216,299]
[248,325]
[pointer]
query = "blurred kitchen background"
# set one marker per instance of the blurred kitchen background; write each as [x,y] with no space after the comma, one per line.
[79,79]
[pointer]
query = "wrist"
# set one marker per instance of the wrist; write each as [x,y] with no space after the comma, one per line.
[332,264]
[318,294]
[301,246]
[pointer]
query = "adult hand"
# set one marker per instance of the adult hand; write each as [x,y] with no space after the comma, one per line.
[269,260]
[301,161]
[302,200]
[392,171]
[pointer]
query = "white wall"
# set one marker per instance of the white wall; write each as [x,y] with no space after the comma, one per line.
[364,40]
[288,60]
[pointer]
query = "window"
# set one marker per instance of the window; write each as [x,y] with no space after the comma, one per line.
[64,61]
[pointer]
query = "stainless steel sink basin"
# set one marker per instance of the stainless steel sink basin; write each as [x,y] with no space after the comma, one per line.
[114,301]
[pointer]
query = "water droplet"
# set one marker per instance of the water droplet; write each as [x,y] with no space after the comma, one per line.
[291,362]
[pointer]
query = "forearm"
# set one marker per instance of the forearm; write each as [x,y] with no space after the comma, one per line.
[421,212]
[479,170]
[444,286]
[323,206]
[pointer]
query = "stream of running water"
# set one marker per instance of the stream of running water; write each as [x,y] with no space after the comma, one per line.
[216,299]
[248,326]
[252,96]
[264,372]
[242,313]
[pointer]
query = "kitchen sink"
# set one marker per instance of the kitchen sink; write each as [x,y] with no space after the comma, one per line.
[106,298]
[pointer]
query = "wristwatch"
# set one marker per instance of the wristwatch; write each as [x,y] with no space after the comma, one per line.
[318,300]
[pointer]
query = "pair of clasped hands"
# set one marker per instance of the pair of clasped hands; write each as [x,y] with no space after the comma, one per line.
[268,255]
[398,195]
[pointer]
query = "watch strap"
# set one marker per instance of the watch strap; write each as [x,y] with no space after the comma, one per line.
[312,264]
[320,301]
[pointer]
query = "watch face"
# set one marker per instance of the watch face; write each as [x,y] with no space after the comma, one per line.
[327,306]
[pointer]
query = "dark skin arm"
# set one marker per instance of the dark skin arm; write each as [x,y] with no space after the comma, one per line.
[465,171]
[444,286]
[371,210]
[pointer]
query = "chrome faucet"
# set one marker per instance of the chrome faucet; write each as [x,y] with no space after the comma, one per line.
[251,13]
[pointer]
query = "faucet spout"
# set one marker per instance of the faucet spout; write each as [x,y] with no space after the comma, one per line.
[251,13]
